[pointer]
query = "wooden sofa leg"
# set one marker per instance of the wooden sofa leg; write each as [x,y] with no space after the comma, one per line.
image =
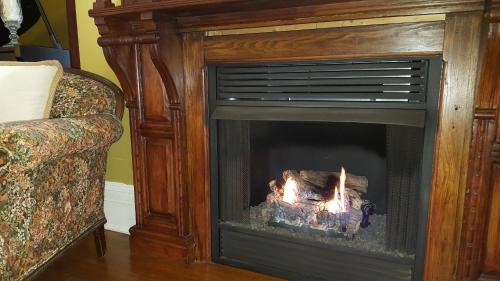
[100,241]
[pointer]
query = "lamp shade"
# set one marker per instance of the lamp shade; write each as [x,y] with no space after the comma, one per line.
[12,17]
[11,11]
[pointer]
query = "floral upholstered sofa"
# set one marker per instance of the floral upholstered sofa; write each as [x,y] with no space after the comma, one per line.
[52,174]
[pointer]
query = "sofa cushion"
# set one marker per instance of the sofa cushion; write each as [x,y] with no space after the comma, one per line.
[27,89]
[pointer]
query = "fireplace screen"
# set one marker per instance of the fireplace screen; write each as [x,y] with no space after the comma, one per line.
[305,197]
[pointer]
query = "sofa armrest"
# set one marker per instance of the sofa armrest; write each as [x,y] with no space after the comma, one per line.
[25,145]
[81,93]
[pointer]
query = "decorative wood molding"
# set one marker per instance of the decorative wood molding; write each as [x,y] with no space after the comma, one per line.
[206,15]
[119,58]
[492,251]
[249,16]
[173,96]
[107,8]
[476,203]
[476,255]
[485,113]
[495,151]
[158,133]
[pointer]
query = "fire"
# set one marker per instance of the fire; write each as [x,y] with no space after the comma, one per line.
[290,191]
[338,203]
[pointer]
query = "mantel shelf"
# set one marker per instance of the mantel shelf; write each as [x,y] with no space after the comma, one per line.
[202,15]
[165,6]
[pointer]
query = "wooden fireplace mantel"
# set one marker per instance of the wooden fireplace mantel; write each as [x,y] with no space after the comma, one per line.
[159,51]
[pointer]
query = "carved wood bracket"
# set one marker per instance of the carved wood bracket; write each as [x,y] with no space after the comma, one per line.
[120,39]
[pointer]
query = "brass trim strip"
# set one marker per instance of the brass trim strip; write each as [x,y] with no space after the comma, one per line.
[328,24]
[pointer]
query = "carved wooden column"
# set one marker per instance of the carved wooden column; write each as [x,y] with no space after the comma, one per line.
[480,244]
[147,60]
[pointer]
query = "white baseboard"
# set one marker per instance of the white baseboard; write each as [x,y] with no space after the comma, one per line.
[119,206]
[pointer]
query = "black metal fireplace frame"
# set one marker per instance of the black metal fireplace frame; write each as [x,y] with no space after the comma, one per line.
[419,114]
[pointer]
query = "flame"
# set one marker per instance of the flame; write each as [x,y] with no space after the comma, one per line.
[338,203]
[290,191]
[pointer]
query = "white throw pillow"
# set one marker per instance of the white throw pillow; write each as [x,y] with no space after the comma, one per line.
[27,89]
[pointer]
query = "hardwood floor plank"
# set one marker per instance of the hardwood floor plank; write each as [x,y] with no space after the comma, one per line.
[120,264]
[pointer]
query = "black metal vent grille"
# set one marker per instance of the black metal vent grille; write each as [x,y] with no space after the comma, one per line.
[353,81]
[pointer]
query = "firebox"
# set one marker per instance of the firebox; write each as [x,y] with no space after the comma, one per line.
[321,170]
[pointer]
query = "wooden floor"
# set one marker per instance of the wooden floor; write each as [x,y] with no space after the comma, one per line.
[81,263]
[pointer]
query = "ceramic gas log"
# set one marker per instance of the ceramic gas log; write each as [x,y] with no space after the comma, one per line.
[326,203]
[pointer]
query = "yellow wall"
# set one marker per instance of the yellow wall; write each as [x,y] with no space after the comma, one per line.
[38,35]
[92,59]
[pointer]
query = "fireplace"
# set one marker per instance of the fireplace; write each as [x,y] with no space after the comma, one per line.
[160,51]
[322,168]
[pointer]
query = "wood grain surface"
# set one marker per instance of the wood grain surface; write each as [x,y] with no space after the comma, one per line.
[492,249]
[480,247]
[327,24]
[263,13]
[461,54]
[121,263]
[197,142]
[349,42]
